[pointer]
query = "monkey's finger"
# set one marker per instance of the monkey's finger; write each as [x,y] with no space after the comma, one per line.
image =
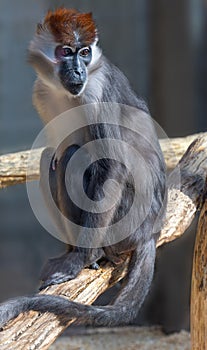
[94,266]
[57,278]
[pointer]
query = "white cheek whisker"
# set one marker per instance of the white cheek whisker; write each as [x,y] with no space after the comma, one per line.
[96,54]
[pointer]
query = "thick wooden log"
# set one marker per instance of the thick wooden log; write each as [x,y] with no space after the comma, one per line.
[18,167]
[199,285]
[32,330]
[37,331]
[184,201]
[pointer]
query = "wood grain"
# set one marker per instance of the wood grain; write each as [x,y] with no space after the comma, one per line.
[199,285]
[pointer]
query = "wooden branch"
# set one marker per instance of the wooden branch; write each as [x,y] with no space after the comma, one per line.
[175,148]
[18,167]
[183,203]
[32,330]
[199,285]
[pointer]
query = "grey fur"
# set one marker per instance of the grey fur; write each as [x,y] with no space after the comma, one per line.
[105,83]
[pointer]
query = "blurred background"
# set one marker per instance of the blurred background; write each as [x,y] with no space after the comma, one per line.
[161,46]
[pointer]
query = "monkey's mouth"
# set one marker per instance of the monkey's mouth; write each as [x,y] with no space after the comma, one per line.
[74,88]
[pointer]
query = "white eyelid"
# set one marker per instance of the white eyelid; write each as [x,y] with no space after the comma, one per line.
[68,47]
[84,48]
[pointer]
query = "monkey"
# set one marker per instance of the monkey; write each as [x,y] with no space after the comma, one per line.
[71,72]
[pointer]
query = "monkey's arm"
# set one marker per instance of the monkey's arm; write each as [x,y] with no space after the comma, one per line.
[52,183]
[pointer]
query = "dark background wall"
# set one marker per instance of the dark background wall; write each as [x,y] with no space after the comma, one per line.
[161,46]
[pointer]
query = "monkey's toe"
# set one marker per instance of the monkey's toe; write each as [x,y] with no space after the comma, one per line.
[94,266]
[57,278]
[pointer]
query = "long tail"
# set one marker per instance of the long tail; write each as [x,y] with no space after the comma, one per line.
[123,310]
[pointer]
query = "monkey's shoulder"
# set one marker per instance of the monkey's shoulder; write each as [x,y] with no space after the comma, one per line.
[119,88]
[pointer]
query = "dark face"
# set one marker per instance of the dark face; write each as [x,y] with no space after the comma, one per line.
[72,67]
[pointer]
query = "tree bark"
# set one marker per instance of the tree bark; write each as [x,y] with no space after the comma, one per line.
[199,285]
[32,330]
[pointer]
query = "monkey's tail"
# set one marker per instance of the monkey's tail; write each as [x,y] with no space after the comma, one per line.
[122,311]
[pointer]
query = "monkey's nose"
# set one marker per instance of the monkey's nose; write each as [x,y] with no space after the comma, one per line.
[78,72]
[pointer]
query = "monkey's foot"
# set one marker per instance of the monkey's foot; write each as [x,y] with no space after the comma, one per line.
[61,269]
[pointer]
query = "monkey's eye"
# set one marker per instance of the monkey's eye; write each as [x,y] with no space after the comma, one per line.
[84,52]
[63,51]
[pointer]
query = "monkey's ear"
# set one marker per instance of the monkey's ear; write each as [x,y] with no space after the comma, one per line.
[39,28]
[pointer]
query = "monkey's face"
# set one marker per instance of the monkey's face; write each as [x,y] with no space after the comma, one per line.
[63,51]
[73,64]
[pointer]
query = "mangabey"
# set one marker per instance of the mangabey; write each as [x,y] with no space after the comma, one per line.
[72,71]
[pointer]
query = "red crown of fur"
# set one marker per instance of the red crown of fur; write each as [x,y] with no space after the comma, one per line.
[64,22]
